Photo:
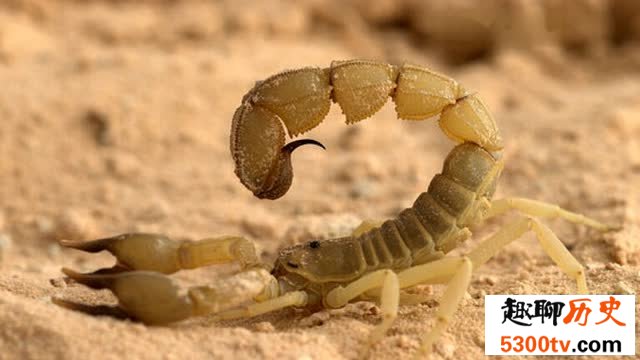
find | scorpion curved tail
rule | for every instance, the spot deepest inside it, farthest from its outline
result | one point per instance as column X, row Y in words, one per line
column 299, row 100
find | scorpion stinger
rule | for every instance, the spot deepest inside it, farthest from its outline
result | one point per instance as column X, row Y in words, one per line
column 290, row 147
column 279, row 179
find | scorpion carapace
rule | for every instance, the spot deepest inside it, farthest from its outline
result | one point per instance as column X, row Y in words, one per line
column 376, row 261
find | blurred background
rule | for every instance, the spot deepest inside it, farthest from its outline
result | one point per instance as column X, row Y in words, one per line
column 115, row 117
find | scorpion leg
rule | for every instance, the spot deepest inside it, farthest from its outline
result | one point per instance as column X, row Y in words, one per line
column 154, row 298
column 548, row 240
column 138, row 251
column 387, row 280
column 406, row 298
column 294, row 298
column 366, row 225
column 456, row 272
column 542, row 209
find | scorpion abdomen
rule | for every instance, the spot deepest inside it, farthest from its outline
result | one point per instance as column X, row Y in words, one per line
column 470, row 165
column 437, row 220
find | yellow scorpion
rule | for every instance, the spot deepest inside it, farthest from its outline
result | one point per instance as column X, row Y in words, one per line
column 375, row 261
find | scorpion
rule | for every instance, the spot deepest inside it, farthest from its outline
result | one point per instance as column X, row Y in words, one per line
column 378, row 261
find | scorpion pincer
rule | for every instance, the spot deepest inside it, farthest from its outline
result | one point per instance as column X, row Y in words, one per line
column 376, row 261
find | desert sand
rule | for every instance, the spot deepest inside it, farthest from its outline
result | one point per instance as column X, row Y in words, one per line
column 115, row 117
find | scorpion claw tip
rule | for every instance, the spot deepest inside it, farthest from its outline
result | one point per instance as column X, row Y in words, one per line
column 88, row 246
column 96, row 280
column 67, row 243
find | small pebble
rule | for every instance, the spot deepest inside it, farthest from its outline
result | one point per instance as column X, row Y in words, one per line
column 611, row 266
column 406, row 342
column 264, row 326
column 446, row 348
column 98, row 123
column 478, row 339
column 488, row 279
column 368, row 308
column 480, row 294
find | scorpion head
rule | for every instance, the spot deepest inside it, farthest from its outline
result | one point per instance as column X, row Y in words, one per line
column 294, row 260
column 287, row 270
column 320, row 261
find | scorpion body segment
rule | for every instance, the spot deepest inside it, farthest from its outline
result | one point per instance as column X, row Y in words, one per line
column 375, row 261
column 300, row 99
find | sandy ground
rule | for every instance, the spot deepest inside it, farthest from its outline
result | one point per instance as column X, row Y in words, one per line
column 115, row 117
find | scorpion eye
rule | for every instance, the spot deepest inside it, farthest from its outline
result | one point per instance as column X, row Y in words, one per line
column 289, row 263
column 314, row 244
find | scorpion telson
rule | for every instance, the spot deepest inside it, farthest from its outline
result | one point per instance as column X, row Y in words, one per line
column 379, row 260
